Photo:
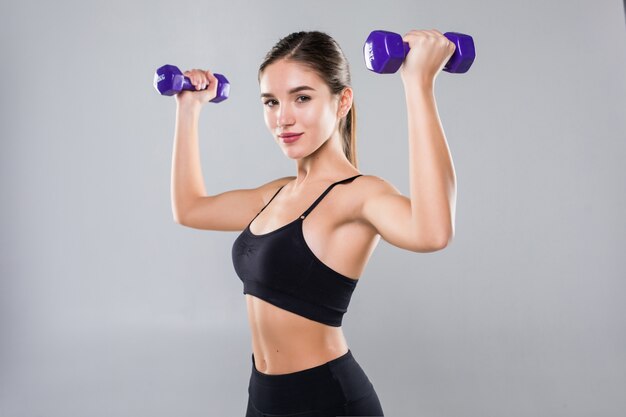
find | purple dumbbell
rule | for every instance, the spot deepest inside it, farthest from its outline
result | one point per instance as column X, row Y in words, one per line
column 169, row 80
column 385, row 51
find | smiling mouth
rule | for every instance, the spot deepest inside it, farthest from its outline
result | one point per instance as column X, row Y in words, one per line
column 290, row 137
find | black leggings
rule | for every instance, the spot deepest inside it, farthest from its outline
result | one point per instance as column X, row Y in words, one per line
column 336, row 388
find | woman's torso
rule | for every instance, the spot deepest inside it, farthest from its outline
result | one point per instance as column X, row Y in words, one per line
column 282, row 341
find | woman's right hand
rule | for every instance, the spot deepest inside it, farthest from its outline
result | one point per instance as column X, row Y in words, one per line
column 200, row 79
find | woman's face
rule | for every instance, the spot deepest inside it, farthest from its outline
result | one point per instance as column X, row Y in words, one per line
column 299, row 109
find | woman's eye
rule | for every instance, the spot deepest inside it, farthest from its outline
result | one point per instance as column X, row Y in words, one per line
column 303, row 98
column 270, row 103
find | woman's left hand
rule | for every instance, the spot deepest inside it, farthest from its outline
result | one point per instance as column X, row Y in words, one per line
column 430, row 51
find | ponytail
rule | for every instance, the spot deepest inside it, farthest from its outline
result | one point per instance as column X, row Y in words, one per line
column 348, row 135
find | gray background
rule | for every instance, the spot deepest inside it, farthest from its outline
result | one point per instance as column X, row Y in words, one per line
column 109, row 308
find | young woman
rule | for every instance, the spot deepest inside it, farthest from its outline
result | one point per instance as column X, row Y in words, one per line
column 300, row 257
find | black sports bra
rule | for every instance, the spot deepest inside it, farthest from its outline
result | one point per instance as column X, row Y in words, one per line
column 280, row 268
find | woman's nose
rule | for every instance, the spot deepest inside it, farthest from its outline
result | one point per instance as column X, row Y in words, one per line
column 285, row 117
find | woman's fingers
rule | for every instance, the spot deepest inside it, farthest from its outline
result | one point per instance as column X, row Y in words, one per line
column 199, row 78
column 210, row 79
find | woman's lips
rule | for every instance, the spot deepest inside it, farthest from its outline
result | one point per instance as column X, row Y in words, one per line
column 290, row 137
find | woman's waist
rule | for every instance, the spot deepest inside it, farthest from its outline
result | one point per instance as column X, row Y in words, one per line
column 280, row 350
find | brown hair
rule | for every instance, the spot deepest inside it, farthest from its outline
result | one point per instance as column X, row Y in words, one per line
column 321, row 53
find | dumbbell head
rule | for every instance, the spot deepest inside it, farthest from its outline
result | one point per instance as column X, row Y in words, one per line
column 169, row 80
column 464, row 54
column 223, row 88
column 385, row 51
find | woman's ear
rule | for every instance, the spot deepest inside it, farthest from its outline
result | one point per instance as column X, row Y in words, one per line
column 345, row 101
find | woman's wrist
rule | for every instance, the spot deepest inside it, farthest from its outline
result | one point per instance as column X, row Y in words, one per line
column 418, row 84
column 188, row 107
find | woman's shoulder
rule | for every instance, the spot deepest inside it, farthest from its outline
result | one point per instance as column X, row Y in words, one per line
column 372, row 192
column 369, row 185
column 367, row 189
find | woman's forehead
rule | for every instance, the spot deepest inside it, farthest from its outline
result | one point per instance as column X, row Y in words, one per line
column 283, row 76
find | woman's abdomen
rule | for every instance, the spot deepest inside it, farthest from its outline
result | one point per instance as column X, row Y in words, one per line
column 284, row 342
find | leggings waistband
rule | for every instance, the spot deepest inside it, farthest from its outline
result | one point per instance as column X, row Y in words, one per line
column 331, row 384
column 306, row 375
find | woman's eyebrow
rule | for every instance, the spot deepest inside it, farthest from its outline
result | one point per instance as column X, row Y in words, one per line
column 293, row 90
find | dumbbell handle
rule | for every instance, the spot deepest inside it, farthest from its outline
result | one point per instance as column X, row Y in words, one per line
column 450, row 37
column 187, row 84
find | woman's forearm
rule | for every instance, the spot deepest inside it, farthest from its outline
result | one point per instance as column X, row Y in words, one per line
column 431, row 171
column 187, row 181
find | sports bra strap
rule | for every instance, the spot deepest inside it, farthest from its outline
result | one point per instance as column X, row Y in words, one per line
column 306, row 213
column 275, row 194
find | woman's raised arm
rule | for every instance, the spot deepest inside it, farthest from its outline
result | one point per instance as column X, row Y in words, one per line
column 191, row 206
column 425, row 221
